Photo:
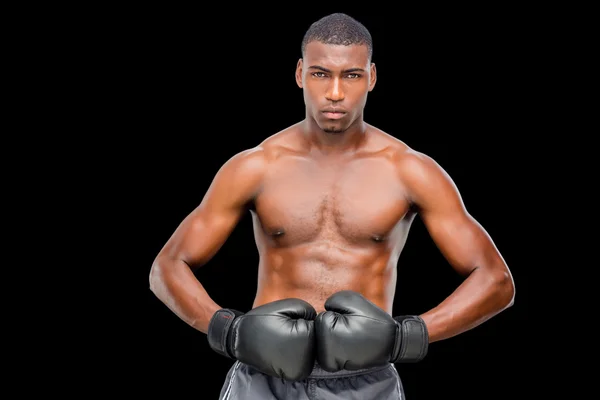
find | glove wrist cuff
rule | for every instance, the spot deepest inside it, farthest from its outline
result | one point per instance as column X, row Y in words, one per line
column 412, row 343
column 218, row 331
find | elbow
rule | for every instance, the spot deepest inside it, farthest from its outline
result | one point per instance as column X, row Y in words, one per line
column 155, row 276
column 505, row 290
column 152, row 278
column 163, row 271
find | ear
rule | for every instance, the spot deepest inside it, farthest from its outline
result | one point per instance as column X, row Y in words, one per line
column 373, row 77
column 299, row 73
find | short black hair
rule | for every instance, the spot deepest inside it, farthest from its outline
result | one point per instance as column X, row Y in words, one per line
column 338, row 29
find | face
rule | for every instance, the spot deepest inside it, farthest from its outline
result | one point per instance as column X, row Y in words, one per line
column 336, row 81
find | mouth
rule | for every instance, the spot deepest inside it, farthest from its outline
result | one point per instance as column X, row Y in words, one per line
column 333, row 114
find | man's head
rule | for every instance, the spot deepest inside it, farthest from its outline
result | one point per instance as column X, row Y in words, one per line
column 338, row 29
column 335, row 71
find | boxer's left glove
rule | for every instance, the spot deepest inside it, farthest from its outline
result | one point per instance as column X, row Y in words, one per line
column 354, row 333
column 277, row 338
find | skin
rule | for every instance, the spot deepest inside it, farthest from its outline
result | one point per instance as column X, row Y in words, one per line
column 332, row 202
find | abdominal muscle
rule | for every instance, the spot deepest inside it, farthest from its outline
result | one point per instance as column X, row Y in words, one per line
column 313, row 272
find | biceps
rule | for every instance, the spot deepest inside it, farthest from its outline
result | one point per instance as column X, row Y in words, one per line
column 461, row 239
column 201, row 234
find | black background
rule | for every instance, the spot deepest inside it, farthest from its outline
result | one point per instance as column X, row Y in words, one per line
column 185, row 95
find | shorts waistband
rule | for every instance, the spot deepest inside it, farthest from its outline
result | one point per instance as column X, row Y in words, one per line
column 319, row 373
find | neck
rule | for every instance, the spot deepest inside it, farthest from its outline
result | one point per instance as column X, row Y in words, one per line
column 334, row 142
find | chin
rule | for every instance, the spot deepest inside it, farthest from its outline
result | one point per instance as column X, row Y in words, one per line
column 328, row 127
column 334, row 130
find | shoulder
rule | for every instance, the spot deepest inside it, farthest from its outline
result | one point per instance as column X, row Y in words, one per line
column 248, row 167
column 256, row 159
column 418, row 172
column 414, row 165
column 404, row 158
column 248, row 162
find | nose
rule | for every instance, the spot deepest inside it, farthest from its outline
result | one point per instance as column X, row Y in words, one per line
column 334, row 91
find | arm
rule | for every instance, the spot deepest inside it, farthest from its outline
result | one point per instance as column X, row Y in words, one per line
column 488, row 288
column 200, row 235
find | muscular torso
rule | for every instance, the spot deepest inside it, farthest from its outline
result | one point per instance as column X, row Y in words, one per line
column 324, row 224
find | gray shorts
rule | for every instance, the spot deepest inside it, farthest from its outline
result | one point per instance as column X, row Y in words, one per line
column 245, row 383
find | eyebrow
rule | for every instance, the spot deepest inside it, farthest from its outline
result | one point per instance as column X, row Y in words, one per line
column 328, row 70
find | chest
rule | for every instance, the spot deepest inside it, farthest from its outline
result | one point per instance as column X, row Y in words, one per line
column 354, row 200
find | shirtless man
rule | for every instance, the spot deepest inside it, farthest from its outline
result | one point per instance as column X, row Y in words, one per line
column 332, row 200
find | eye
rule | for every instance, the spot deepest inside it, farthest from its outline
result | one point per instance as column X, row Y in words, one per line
column 318, row 74
column 353, row 76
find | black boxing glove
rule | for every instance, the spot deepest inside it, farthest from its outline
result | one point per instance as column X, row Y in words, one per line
column 354, row 333
column 277, row 338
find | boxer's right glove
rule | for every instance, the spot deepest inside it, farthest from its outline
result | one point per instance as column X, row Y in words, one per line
column 354, row 333
column 277, row 338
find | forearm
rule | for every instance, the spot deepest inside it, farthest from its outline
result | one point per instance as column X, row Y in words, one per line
column 481, row 296
column 175, row 284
